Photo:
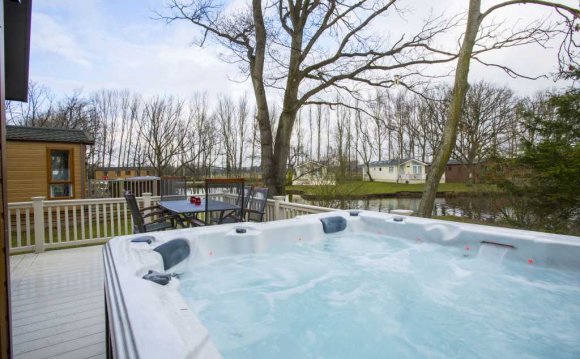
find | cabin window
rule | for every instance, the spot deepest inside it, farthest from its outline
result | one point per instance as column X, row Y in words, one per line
column 148, row 172
column 128, row 173
column 60, row 177
column 449, row 168
column 417, row 169
column 117, row 173
column 380, row 168
column 391, row 169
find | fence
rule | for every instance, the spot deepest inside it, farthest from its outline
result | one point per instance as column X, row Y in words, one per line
column 39, row 225
column 116, row 188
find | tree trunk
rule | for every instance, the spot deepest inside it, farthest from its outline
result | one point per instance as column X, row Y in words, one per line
column 284, row 135
column 262, row 113
column 454, row 113
column 290, row 106
column 282, row 151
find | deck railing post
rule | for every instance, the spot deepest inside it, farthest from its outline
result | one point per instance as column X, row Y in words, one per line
column 38, row 208
column 120, row 188
column 147, row 203
column 277, row 213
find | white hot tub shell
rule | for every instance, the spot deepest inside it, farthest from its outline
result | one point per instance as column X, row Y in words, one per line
column 149, row 320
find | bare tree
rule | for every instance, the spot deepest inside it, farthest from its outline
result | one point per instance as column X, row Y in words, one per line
column 493, row 37
column 161, row 132
column 35, row 111
column 309, row 47
column 243, row 111
column 225, row 118
column 483, row 127
column 365, row 148
column 132, row 145
column 106, row 104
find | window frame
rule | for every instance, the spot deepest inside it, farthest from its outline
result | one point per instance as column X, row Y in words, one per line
column 50, row 181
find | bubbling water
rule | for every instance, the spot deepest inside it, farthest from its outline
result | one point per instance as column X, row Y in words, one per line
column 370, row 296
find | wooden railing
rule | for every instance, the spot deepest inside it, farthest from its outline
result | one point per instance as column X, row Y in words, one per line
column 39, row 224
column 117, row 187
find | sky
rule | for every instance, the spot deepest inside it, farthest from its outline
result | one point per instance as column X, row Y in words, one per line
column 116, row 44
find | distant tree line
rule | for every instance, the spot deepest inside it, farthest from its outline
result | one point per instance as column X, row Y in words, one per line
column 173, row 135
column 196, row 136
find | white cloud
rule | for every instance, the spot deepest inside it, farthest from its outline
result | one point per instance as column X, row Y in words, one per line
column 144, row 56
column 104, row 45
column 52, row 37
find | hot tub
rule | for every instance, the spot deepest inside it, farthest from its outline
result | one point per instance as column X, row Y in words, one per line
column 345, row 284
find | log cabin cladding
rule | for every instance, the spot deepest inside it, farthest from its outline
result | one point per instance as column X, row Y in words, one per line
column 45, row 162
column 29, row 170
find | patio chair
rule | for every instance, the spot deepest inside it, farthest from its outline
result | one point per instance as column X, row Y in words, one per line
column 243, row 200
column 173, row 188
column 256, row 210
column 161, row 223
column 223, row 189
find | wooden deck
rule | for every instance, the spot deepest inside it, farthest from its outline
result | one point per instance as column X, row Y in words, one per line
column 57, row 304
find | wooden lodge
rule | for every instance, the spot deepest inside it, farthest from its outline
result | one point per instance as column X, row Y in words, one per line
column 112, row 173
column 47, row 162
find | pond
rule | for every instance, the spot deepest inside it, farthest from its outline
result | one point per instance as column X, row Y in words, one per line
column 487, row 208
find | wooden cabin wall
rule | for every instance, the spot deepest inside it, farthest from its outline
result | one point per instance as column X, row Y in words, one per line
column 28, row 169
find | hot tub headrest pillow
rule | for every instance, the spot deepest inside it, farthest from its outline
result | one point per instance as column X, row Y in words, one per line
column 173, row 252
column 333, row 224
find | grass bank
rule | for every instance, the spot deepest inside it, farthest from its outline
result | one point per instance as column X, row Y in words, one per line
column 364, row 189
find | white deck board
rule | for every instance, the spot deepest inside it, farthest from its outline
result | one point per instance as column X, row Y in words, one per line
column 57, row 304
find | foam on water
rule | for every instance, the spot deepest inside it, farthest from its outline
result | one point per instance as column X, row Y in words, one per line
column 492, row 252
column 379, row 297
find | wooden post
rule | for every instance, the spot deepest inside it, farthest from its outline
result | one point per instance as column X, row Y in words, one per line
column 147, row 203
column 38, row 208
column 120, row 188
column 277, row 200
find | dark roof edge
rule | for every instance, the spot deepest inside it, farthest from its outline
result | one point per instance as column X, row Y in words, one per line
column 92, row 142
column 89, row 140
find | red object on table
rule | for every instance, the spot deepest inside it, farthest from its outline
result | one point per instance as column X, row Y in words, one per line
column 192, row 199
column 197, row 201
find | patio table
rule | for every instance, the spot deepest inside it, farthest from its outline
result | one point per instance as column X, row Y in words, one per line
column 189, row 211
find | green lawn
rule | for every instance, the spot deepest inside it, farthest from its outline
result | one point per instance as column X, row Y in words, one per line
column 364, row 188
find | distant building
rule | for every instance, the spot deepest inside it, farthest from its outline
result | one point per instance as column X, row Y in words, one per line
column 406, row 170
column 111, row 173
column 47, row 162
column 461, row 172
column 457, row 171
